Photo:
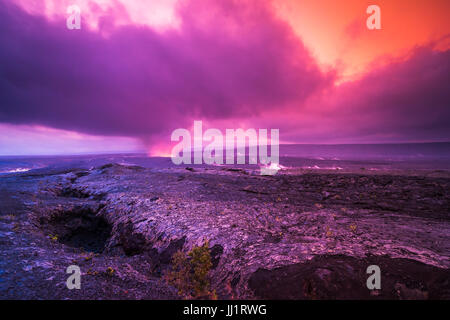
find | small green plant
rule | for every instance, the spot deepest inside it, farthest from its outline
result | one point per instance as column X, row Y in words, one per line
column 200, row 261
column 110, row 271
column 180, row 276
column 53, row 237
column 190, row 272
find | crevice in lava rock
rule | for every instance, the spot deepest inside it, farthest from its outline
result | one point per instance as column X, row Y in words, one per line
column 216, row 252
column 132, row 243
column 344, row 277
column 80, row 228
column 166, row 255
column 70, row 192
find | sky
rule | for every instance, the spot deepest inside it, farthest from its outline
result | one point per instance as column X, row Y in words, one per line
column 137, row 70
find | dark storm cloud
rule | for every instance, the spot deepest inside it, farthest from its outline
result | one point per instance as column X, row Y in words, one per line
column 226, row 59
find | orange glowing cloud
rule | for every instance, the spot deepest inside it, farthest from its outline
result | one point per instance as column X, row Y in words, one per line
column 336, row 32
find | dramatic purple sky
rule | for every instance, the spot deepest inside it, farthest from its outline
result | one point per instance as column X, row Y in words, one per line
column 127, row 86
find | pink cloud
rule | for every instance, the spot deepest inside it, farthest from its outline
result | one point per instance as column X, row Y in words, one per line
column 227, row 59
column 227, row 63
column 31, row 140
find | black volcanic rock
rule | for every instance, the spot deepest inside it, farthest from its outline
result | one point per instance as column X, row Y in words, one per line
column 297, row 236
column 340, row 277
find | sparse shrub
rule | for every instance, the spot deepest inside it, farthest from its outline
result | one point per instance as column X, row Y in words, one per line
column 110, row 271
column 179, row 276
column 190, row 272
column 200, row 261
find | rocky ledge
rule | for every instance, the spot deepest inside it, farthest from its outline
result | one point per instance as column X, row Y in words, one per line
column 306, row 235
